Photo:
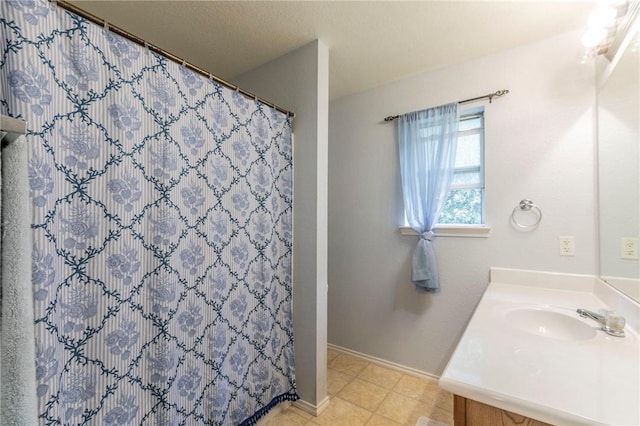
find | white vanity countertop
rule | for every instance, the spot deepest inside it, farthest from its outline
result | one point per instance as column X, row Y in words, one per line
column 594, row 379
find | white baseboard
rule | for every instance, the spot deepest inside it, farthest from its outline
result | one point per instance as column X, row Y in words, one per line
column 384, row 363
column 314, row 410
column 305, row 406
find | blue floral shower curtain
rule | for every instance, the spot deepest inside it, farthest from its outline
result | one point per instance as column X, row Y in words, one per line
column 162, row 233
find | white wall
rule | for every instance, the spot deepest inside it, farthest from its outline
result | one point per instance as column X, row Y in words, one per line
column 299, row 82
column 539, row 145
column 618, row 158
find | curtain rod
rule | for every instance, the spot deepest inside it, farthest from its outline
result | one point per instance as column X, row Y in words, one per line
column 490, row 96
column 123, row 33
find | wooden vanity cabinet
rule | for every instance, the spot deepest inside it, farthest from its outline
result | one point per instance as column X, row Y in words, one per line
column 467, row 412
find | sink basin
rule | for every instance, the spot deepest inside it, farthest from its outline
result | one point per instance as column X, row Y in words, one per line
column 550, row 324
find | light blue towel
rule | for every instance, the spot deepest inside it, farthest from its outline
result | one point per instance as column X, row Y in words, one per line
column 18, row 399
column 424, row 268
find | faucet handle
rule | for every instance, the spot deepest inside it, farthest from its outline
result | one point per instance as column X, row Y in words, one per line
column 613, row 323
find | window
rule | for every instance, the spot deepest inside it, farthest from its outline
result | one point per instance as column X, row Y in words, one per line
column 465, row 201
column 463, row 212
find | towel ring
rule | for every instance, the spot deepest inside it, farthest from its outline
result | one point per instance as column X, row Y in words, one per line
column 526, row 205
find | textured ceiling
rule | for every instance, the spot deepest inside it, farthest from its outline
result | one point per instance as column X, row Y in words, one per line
column 371, row 42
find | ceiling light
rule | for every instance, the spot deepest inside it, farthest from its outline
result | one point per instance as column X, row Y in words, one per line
column 602, row 17
column 593, row 37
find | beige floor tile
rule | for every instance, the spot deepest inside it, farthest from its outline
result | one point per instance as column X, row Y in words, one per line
column 429, row 411
column 299, row 412
column 403, row 409
column 342, row 413
column 331, row 354
column 380, row 376
column 440, row 415
column 378, row 420
column 287, row 418
column 399, row 408
column 348, row 364
column 336, row 381
column 444, row 400
column 363, row 394
column 421, row 389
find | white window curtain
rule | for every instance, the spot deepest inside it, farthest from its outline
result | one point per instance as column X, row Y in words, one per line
column 427, row 141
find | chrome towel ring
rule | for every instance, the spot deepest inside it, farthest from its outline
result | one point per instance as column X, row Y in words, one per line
column 526, row 205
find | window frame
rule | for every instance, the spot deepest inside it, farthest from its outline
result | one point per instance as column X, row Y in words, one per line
column 480, row 230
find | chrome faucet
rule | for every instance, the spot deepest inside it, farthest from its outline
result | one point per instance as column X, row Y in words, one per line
column 609, row 322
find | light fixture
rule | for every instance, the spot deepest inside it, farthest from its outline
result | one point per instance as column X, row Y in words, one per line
column 602, row 17
column 593, row 37
column 602, row 24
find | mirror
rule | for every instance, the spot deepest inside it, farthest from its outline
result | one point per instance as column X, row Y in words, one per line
column 618, row 108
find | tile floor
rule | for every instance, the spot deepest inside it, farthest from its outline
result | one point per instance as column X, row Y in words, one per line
column 362, row 393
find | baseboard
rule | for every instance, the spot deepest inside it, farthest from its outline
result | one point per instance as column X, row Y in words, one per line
column 314, row 410
column 384, row 363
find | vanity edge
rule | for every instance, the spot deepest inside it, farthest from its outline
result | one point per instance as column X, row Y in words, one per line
column 545, row 281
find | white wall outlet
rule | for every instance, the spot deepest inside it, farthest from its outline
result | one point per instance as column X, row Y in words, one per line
column 567, row 246
column 629, row 248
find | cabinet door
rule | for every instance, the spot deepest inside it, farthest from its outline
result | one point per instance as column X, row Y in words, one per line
column 467, row 412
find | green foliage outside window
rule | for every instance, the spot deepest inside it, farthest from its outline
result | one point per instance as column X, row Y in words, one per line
column 463, row 206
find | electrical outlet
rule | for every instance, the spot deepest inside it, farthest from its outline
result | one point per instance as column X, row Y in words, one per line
column 567, row 246
column 629, row 248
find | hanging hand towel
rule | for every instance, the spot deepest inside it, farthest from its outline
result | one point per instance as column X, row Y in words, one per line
column 18, row 400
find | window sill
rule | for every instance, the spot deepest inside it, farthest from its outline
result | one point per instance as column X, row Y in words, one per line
column 464, row 231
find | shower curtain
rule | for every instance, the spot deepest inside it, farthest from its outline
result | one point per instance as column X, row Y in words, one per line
column 161, row 230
